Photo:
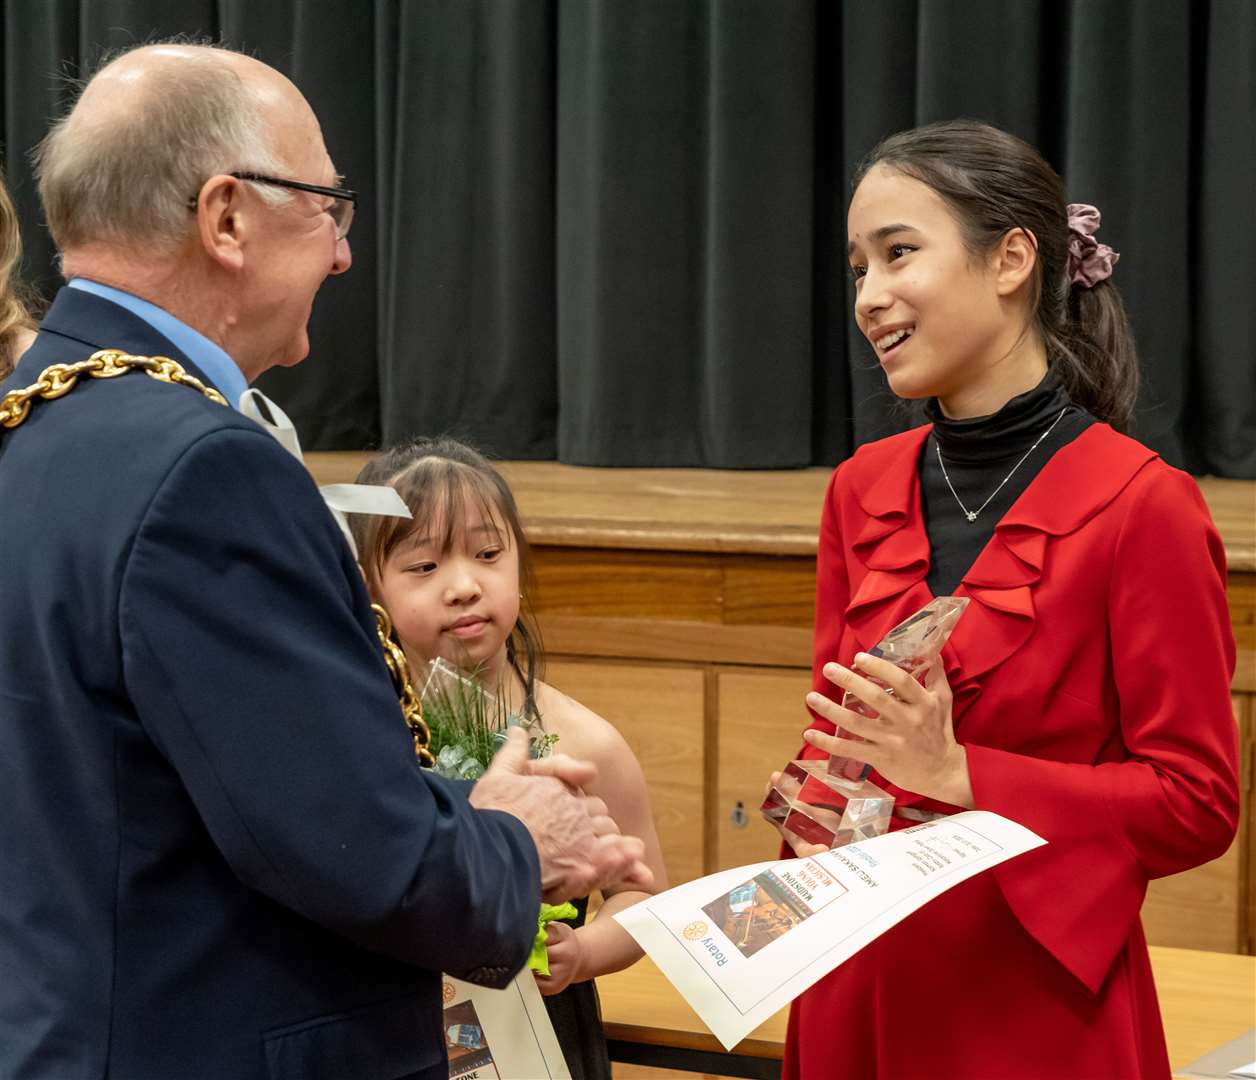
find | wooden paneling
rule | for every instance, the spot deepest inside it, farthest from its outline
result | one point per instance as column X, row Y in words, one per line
column 1246, row 705
column 673, row 639
column 738, row 590
column 336, row 466
column 1232, row 504
column 1206, row 908
column 659, row 712
column 626, row 584
column 769, row 592
column 761, row 721
column 1199, row 909
column 1241, row 596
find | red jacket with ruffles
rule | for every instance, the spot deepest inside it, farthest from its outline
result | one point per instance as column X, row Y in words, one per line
column 1091, row 678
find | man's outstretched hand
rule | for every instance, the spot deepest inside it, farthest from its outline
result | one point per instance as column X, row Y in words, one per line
column 580, row 846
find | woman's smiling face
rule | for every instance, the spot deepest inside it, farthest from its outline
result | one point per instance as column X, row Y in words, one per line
column 929, row 307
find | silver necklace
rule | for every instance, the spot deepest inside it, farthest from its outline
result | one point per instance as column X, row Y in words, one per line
column 972, row 514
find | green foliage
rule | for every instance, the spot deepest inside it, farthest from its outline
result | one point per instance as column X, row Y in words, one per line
column 468, row 724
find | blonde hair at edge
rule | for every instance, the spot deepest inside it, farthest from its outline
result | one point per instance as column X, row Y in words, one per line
column 13, row 314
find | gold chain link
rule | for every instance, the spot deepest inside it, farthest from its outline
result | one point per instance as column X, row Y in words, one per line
column 399, row 669
column 57, row 380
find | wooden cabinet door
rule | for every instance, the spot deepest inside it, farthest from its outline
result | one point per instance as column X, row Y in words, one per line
column 1203, row 908
column 659, row 711
column 761, row 718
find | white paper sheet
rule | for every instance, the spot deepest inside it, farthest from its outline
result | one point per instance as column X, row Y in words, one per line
column 502, row 1034
column 741, row 944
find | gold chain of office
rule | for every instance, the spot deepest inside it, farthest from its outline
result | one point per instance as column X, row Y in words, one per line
column 57, row 380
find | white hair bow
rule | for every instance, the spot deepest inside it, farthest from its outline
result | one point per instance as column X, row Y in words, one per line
column 341, row 499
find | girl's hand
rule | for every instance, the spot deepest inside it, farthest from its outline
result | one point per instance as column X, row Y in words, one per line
column 911, row 741
column 562, row 944
column 801, row 848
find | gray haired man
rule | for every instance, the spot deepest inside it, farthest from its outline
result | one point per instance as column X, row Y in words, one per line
column 220, row 858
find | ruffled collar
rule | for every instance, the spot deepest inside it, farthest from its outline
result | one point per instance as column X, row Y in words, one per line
column 1078, row 482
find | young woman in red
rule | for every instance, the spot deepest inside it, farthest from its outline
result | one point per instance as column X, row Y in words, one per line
column 1085, row 691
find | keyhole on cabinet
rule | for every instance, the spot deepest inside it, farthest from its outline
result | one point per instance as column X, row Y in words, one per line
column 738, row 816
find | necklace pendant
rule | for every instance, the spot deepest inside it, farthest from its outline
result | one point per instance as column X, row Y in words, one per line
column 971, row 515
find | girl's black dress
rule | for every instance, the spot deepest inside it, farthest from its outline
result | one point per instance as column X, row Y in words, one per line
column 577, row 1018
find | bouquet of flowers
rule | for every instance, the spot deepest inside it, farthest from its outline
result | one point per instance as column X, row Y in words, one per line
column 468, row 725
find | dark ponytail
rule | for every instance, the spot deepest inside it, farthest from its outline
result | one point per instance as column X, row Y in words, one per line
column 994, row 182
column 1095, row 354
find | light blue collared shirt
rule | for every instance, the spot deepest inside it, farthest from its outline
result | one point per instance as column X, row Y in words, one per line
column 218, row 367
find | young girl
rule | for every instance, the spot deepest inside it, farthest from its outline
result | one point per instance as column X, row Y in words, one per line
column 454, row 581
column 1084, row 692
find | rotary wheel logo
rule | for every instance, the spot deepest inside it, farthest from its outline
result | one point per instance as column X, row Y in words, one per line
column 447, row 992
column 694, row 931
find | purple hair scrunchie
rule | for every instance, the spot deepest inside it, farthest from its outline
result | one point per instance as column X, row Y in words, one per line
column 1089, row 262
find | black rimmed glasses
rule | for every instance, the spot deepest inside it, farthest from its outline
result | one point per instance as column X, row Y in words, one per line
column 341, row 209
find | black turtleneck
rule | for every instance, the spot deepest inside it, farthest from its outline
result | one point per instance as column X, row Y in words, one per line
column 978, row 454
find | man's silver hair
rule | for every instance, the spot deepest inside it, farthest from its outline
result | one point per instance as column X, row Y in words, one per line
column 130, row 177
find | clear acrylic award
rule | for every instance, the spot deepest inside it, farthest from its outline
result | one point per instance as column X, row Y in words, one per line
column 832, row 802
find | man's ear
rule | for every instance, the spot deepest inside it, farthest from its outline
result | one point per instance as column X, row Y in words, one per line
column 221, row 220
column 1014, row 260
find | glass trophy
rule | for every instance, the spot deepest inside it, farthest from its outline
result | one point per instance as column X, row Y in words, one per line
column 833, row 802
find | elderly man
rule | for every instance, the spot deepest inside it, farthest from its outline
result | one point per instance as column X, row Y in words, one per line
column 220, row 859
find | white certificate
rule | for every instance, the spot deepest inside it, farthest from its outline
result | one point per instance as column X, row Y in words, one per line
column 502, row 1034
column 741, row 944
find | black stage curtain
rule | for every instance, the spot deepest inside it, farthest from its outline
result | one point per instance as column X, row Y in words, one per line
column 612, row 231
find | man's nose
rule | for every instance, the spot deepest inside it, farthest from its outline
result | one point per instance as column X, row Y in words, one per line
column 344, row 257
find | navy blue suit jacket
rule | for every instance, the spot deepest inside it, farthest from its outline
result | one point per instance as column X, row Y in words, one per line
column 218, row 857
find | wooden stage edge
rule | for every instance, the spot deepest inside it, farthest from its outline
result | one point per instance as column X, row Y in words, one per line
column 767, row 512
column 1207, row 999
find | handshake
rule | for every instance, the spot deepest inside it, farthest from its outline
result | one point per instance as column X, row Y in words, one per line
column 579, row 845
